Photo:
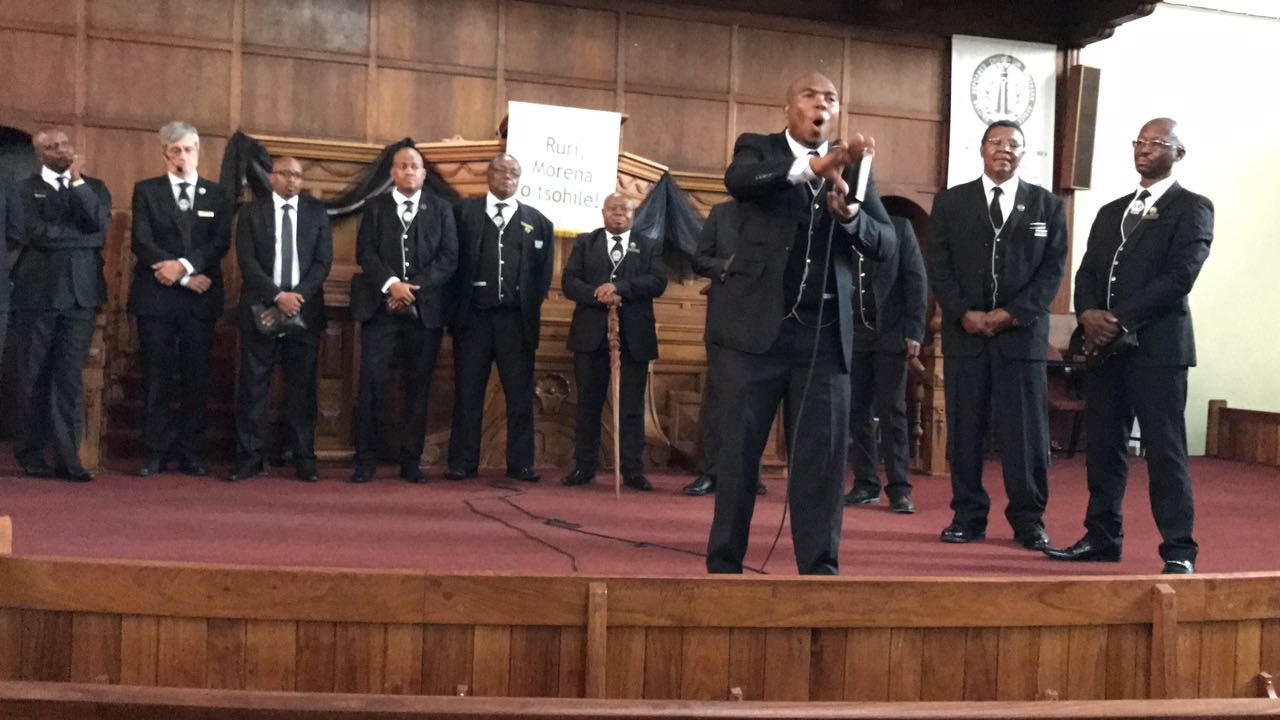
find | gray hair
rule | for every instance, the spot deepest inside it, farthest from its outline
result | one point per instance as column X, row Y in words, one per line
column 175, row 131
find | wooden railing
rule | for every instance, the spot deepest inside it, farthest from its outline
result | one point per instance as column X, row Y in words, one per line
column 1251, row 436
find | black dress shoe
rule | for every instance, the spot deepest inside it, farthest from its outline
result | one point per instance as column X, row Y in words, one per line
column 902, row 504
column 863, row 495
column 153, row 466
column 456, row 474
column 578, row 477
column 960, row 534
column 36, row 469
column 1086, row 551
column 1178, row 567
column 75, row 475
column 412, row 474
column 523, row 474
column 637, row 482
column 306, row 472
column 1032, row 539
column 362, row 475
column 246, row 471
column 194, row 468
column 761, row 489
column 701, row 485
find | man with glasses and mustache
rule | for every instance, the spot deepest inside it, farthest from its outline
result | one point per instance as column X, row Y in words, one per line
column 997, row 247
column 1144, row 253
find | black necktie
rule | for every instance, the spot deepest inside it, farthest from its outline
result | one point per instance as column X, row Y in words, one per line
column 616, row 253
column 184, row 200
column 286, row 248
column 62, row 183
column 1136, row 210
column 498, row 219
column 997, row 215
column 406, row 215
column 815, row 185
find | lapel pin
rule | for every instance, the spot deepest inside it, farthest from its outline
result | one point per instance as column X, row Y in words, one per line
column 199, row 191
column 527, row 227
column 1021, row 207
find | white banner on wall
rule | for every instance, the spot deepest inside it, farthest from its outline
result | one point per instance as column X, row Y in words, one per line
column 1001, row 80
column 568, row 160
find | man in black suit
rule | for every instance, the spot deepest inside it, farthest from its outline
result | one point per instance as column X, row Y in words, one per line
column 610, row 267
column 407, row 247
column 716, row 244
column 787, row 334
column 888, row 327
column 1144, row 253
column 505, row 262
column 181, row 231
column 10, row 239
column 284, row 249
column 57, row 288
column 997, row 246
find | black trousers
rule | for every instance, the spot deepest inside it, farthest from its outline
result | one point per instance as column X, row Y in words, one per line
column 381, row 338
column 878, row 388
column 1115, row 392
column 52, row 348
column 297, row 355
column 711, row 419
column 184, row 342
column 818, row 420
column 491, row 337
column 591, row 372
column 1015, row 393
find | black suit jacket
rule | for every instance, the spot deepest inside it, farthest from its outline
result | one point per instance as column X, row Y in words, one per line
column 716, row 245
column 1154, row 274
column 434, row 239
column 771, row 218
column 60, row 261
column 641, row 278
column 1034, row 238
column 256, row 256
column 537, row 246
column 901, row 292
column 161, row 233
column 10, row 241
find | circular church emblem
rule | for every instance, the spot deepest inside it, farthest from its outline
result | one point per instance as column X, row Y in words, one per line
column 1002, row 89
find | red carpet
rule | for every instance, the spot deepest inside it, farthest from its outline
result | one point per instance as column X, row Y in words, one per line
column 492, row 525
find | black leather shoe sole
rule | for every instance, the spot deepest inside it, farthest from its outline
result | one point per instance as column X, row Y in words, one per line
column 902, row 505
column 859, row 497
column 575, row 478
column 699, row 487
column 1032, row 540
column 959, row 536
column 452, row 474
column 1085, row 551
column 524, row 475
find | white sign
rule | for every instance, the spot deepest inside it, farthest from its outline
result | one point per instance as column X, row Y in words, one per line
column 568, row 160
column 1001, row 80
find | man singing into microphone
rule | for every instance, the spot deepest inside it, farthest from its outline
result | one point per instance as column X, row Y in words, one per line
column 787, row 334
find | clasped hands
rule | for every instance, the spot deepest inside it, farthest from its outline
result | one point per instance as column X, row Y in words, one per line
column 400, row 295
column 1100, row 328
column 169, row 272
column 607, row 294
column 830, row 167
column 986, row 324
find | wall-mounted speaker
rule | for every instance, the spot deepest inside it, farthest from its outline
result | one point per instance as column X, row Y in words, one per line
column 1081, row 121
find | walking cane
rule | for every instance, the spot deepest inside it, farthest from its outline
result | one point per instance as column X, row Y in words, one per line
column 615, row 388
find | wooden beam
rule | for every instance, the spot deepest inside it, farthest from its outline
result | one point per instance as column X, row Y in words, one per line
column 1164, row 641
column 597, row 640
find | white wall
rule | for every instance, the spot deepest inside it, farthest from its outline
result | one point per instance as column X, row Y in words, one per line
column 1216, row 74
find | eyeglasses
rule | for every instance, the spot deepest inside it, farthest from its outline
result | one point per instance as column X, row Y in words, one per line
column 1153, row 144
column 1010, row 145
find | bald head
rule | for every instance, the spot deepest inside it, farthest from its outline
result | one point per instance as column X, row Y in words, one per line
column 54, row 149
column 1156, row 149
column 812, row 109
column 619, row 212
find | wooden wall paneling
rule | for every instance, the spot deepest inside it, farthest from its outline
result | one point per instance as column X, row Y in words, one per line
column 657, row 54
column 534, row 661
column 905, row 662
column 1121, row 662
column 1248, row 657
column 827, row 671
column 491, row 664
column 899, row 77
column 981, row 663
column 430, row 106
column 360, row 651
column 225, row 656
column 10, row 637
column 453, row 32
column 564, row 42
column 589, row 97
column 270, row 655
column 866, row 664
column 758, row 118
column 1052, row 661
column 1268, row 651
column 45, row 646
column 906, row 150
column 315, row 657
column 402, row 669
column 307, row 98
column 704, row 663
column 747, row 661
column 181, row 650
column 148, row 85
column 786, row 676
column 625, row 671
column 139, row 644
column 41, row 72
column 1086, row 664
column 663, row 653
column 1217, row 653
column 95, row 648
column 1189, row 643
column 206, row 20
column 328, row 25
column 942, row 664
column 571, row 680
column 1018, row 663
column 51, row 15
column 697, row 145
column 771, row 59
column 446, row 658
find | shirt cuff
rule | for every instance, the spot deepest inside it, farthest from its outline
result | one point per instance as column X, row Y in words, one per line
column 184, row 280
column 800, row 171
column 190, row 268
column 853, row 225
column 387, row 285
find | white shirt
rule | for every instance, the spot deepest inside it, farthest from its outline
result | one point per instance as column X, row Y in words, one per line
column 51, row 177
column 491, row 208
column 276, row 268
column 400, row 199
column 608, row 246
column 1156, row 190
column 800, row 171
column 192, row 181
column 1008, row 191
